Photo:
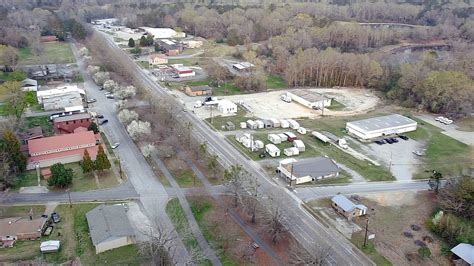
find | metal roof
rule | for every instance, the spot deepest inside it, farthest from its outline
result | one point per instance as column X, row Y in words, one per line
column 465, row 252
column 346, row 204
column 108, row 221
column 382, row 122
column 310, row 96
column 72, row 117
column 315, row 167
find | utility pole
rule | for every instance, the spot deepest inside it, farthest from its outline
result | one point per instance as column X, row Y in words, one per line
column 366, row 231
column 291, row 176
column 69, row 196
column 390, row 164
column 120, row 167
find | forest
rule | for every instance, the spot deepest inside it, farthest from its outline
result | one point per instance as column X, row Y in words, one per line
column 308, row 44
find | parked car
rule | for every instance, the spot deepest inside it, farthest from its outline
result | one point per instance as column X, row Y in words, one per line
column 55, row 217
column 438, row 118
column 394, row 140
column 380, row 142
column 110, row 96
column 115, row 145
column 100, row 116
column 91, row 100
column 403, row 137
column 389, row 141
column 104, row 121
column 419, row 152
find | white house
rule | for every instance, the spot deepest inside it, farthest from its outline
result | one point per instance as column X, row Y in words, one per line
column 251, row 124
column 50, row 246
column 381, row 126
column 299, row 144
column 284, row 123
column 309, row 98
column 276, row 122
column 272, row 150
column 293, row 124
column 58, row 91
column 302, row 130
column 274, row 138
column 260, row 123
column 227, row 107
column 292, row 151
column 283, row 137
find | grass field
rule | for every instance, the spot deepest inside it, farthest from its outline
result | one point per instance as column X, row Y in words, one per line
column 144, row 64
column 12, row 76
column 226, row 88
column 358, row 240
column 218, row 121
column 42, row 121
column 192, row 61
column 54, row 53
column 336, row 106
column 186, row 178
column 177, row 217
column 275, row 82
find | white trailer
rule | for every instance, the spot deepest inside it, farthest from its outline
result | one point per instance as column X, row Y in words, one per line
column 272, row 150
column 260, row 124
column 243, row 125
column 246, row 142
column 301, row 130
column 320, row 136
column 292, row 151
column 299, row 144
column 274, row 138
column 258, row 144
column 251, row 124
column 284, row 123
column 293, row 124
column 276, row 122
column 283, row 137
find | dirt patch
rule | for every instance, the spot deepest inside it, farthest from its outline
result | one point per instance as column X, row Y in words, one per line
column 392, row 223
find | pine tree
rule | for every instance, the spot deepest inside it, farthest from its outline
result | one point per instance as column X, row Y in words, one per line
column 87, row 163
column 94, row 127
column 11, row 146
column 101, row 161
column 60, row 176
column 131, row 43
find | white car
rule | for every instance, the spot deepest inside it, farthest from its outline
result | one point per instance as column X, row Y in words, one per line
column 197, row 104
column 439, row 118
column 115, row 145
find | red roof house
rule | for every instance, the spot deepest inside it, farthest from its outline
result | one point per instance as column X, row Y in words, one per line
column 68, row 124
column 65, row 148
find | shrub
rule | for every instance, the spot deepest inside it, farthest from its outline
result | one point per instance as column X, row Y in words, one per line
column 424, row 252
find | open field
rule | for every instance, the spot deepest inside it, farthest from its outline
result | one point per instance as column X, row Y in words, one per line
column 54, row 53
column 275, row 82
column 465, row 124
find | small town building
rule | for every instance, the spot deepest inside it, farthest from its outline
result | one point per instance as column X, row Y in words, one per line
column 260, row 124
column 68, row 124
column 170, row 47
column 267, row 123
column 381, row 126
column 243, row 125
column 274, row 138
column 229, row 125
column 293, row 124
column 320, row 136
column 50, row 246
column 183, row 71
column 64, row 149
column 29, row 134
column 307, row 170
column 310, row 99
column 291, row 136
column 284, row 123
column 192, row 44
column 463, row 254
column 48, row 38
column 272, row 150
column 105, row 21
column 275, row 122
column 292, row 151
column 226, row 107
column 301, row 130
column 109, row 227
column 29, row 85
column 163, row 33
column 299, row 144
column 348, row 208
column 63, row 101
column 283, row 137
column 258, row 144
column 251, row 124
column 198, row 90
column 243, row 66
column 157, row 59
column 62, row 91
column 19, row 228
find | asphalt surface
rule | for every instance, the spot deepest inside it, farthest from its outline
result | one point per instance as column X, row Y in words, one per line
column 310, row 233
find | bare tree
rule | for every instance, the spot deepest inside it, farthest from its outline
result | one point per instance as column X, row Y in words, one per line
column 275, row 225
column 300, row 256
column 235, row 181
column 160, row 244
column 251, row 201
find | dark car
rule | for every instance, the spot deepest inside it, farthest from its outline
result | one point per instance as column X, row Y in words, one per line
column 394, row 140
column 100, row 116
column 389, row 141
column 403, row 137
column 104, row 121
column 380, row 142
column 55, row 217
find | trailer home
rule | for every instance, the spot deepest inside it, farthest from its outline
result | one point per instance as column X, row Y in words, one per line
column 284, row 123
column 274, row 138
column 293, row 124
column 291, row 136
column 299, row 144
column 272, row 150
column 292, row 151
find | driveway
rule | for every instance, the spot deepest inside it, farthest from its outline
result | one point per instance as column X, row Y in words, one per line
column 449, row 130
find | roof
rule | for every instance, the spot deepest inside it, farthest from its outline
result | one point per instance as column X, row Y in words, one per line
column 309, row 95
column 168, row 42
column 226, row 103
column 346, row 204
column 108, row 221
column 72, row 117
column 201, row 88
column 161, row 33
column 272, row 147
column 18, row 225
column 60, row 141
column 48, row 38
column 315, row 167
column 32, row 133
column 29, row 82
column 465, row 252
column 382, row 122
column 298, row 143
column 153, row 56
column 50, row 245
column 63, row 154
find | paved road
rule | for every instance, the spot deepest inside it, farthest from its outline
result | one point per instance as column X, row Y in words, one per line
column 449, row 130
column 310, row 233
column 152, row 194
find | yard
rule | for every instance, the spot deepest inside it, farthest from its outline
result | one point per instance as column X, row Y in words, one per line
column 54, row 53
column 42, row 121
column 219, row 121
column 275, row 82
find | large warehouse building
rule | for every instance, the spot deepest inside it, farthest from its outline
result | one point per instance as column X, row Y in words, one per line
column 309, row 98
column 381, row 126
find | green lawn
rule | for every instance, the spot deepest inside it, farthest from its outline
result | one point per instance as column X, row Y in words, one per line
column 106, row 142
column 12, row 76
column 358, row 240
column 42, row 121
column 336, row 106
column 177, row 217
column 275, row 82
column 218, row 121
column 54, row 53
column 187, row 178
column 26, row 179
column 192, row 61
column 226, row 88
column 143, row 64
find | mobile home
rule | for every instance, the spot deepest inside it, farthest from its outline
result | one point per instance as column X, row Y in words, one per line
column 272, row 150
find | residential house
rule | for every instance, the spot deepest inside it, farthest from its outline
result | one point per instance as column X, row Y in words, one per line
column 29, row 134
column 170, row 47
column 68, row 124
column 183, row 71
column 65, row 148
column 109, row 227
column 157, row 59
column 198, row 90
column 227, row 107
column 348, row 208
column 308, row 170
column 19, row 228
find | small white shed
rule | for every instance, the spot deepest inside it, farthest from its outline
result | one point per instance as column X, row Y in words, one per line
column 272, row 150
column 302, row 130
column 276, row 122
column 243, row 125
column 299, row 144
column 260, row 124
column 50, row 246
column 227, row 107
column 283, row 137
column 284, row 123
column 292, row 151
column 258, row 144
column 251, row 124
column 274, row 138
column 293, row 124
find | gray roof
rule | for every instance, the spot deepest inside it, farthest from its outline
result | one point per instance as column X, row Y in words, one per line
column 29, row 82
column 108, row 221
column 201, row 88
column 346, row 204
column 382, row 122
column 315, row 167
column 310, row 96
column 465, row 252
column 72, row 117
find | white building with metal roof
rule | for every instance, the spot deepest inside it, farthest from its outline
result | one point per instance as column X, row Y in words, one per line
column 381, row 126
column 307, row 170
column 348, row 208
